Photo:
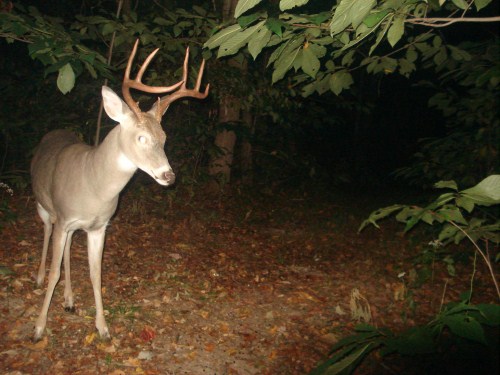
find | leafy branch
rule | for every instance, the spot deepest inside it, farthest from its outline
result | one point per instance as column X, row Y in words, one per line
column 316, row 50
column 448, row 210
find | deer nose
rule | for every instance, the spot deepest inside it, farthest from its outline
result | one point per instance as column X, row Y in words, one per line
column 169, row 177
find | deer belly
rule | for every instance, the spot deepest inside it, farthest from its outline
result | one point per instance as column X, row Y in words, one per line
column 87, row 224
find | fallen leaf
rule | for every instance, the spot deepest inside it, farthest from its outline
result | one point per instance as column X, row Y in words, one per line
column 40, row 345
column 273, row 354
column 145, row 355
column 148, row 333
column 89, row 339
column 106, row 348
column 132, row 362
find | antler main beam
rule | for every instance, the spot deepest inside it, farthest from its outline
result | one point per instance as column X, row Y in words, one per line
column 137, row 82
column 184, row 92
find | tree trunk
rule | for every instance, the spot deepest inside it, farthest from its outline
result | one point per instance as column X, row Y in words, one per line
column 246, row 149
column 229, row 113
column 220, row 165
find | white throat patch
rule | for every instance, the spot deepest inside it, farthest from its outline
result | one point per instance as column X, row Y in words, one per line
column 125, row 164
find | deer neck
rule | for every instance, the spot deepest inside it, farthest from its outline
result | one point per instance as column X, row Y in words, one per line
column 111, row 169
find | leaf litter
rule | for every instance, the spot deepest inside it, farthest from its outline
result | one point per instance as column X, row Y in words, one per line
column 206, row 288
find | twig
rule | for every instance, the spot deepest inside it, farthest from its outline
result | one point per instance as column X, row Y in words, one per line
column 110, row 54
column 486, row 259
column 442, row 296
column 443, row 22
column 473, row 274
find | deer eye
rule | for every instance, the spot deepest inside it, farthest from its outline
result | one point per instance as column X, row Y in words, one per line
column 142, row 139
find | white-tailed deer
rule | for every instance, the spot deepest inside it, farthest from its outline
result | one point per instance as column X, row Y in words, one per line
column 77, row 186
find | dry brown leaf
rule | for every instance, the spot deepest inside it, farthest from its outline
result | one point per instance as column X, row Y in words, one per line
column 106, row 348
column 40, row 345
column 148, row 333
column 210, row 347
column 89, row 339
column 132, row 362
column 273, row 354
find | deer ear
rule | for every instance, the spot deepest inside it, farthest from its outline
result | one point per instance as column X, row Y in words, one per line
column 114, row 106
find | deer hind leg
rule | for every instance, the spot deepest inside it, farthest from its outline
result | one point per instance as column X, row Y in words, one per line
column 47, row 231
column 58, row 243
column 68, row 292
column 95, row 248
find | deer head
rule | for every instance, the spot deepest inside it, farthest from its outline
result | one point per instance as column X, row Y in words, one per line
column 142, row 139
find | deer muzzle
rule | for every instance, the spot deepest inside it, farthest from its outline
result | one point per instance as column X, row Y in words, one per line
column 169, row 177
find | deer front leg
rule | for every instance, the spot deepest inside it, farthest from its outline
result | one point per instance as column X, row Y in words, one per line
column 95, row 248
column 47, row 231
column 68, row 292
column 58, row 243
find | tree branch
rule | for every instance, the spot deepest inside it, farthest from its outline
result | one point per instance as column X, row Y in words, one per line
column 443, row 22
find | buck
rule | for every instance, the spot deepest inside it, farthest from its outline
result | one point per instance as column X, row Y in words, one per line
column 76, row 186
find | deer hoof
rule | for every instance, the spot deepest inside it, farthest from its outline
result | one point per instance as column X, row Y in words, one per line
column 105, row 336
column 38, row 335
column 70, row 309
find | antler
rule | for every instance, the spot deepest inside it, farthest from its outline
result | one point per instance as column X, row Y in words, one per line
column 183, row 92
column 138, row 85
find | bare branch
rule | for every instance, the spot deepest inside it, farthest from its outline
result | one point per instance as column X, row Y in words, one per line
column 443, row 22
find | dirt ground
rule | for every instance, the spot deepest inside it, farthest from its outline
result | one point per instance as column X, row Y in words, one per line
column 231, row 285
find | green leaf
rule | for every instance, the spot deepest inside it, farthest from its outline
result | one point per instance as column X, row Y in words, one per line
column 276, row 25
column 245, row 21
column 374, row 18
column 380, row 214
column 108, row 28
column 396, row 30
column 441, row 56
column 66, row 79
column 485, row 193
column 480, row 4
column 459, row 54
column 348, row 58
column 465, row 326
column 90, row 69
column 411, row 55
column 350, row 12
column 286, row 59
column 490, row 313
column 201, row 11
column 237, row 41
column 223, row 35
column 319, row 18
column 448, row 232
column 380, row 34
column 465, row 203
column 259, row 40
column 310, row 62
column 340, row 80
column 406, row 67
column 446, row 185
column 346, row 362
column 243, row 6
column 452, row 213
column 462, row 4
column 416, row 340
column 289, row 4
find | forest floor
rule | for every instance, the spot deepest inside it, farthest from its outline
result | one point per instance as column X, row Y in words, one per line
column 238, row 284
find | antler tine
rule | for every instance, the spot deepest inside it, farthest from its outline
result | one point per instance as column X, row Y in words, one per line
column 184, row 91
column 126, row 83
column 138, row 85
